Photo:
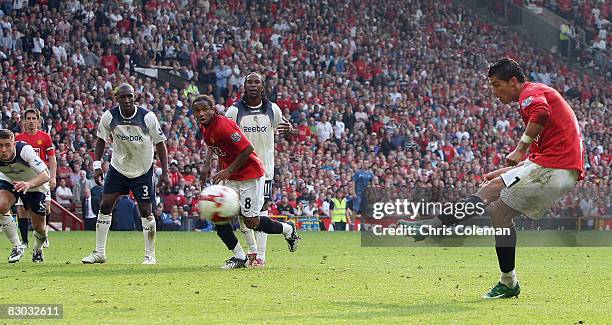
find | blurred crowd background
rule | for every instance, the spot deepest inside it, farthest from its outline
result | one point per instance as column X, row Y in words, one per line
column 384, row 95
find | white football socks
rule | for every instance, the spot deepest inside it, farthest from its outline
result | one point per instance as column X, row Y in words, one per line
column 249, row 235
column 262, row 239
column 102, row 226
column 9, row 227
column 149, row 231
column 39, row 238
column 287, row 230
column 509, row 279
column 239, row 252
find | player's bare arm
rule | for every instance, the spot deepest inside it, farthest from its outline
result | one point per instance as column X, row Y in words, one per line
column 236, row 164
column 205, row 171
column 52, row 171
column 39, row 180
column 99, row 151
column 162, row 153
column 531, row 132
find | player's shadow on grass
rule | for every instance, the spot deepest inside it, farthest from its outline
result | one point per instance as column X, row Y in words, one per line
column 371, row 310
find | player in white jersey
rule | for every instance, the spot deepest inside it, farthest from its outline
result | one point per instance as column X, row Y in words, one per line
column 22, row 175
column 259, row 119
column 134, row 131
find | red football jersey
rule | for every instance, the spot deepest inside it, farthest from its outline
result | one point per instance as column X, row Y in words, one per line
column 41, row 142
column 226, row 140
column 559, row 145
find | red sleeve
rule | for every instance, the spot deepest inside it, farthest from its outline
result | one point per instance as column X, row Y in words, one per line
column 536, row 109
column 539, row 114
column 233, row 136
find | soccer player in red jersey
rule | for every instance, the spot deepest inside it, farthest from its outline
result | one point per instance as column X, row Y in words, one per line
column 242, row 171
column 546, row 164
column 43, row 146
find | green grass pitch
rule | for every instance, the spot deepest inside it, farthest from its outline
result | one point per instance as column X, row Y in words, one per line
column 330, row 279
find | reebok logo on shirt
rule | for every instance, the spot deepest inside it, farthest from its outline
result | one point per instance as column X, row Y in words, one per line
column 131, row 138
column 254, row 129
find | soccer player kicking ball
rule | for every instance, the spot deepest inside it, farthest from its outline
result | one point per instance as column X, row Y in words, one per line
column 529, row 187
column 243, row 172
column 259, row 118
column 135, row 131
column 22, row 175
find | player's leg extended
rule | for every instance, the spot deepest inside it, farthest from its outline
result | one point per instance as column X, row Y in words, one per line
column 487, row 193
column 251, row 202
column 9, row 228
column 23, row 223
column 144, row 192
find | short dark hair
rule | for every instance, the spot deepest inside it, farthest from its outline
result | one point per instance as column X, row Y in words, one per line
column 6, row 134
column 201, row 98
column 31, row 110
column 506, row 68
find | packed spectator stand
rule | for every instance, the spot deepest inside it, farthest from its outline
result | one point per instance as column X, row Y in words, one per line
column 395, row 87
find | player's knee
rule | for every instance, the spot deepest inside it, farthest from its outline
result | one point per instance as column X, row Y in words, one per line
column 106, row 207
column 5, row 207
column 251, row 223
column 489, row 191
column 39, row 227
column 38, row 223
column 145, row 213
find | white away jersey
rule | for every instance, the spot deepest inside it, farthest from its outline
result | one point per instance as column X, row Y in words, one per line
column 25, row 166
column 259, row 124
column 133, row 138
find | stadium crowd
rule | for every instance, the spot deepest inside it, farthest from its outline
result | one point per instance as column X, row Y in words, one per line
column 392, row 89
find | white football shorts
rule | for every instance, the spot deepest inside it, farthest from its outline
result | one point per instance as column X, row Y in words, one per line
column 251, row 194
column 531, row 189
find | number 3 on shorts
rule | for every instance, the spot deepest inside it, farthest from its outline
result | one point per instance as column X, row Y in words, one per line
column 145, row 191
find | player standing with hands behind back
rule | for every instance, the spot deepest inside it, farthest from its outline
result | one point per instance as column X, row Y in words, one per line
column 135, row 131
column 243, row 172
